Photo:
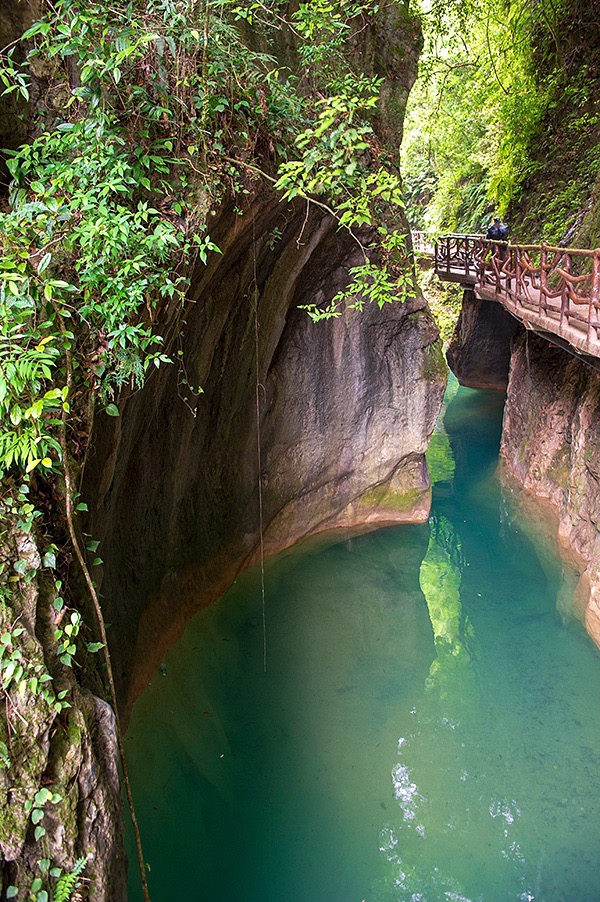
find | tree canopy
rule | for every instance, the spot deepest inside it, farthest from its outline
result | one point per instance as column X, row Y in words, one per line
column 504, row 116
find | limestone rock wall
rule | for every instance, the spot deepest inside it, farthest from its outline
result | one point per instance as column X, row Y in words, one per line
column 71, row 754
column 479, row 352
column 551, row 447
column 345, row 411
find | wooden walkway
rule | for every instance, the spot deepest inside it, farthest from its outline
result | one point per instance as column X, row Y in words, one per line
column 554, row 291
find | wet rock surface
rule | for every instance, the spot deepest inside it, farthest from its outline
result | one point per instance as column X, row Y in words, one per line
column 551, row 446
column 330, row 420
column 479, row 352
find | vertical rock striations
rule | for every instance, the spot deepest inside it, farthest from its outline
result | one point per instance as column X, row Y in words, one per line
column 345, row 411
column 479, row 353
column 551, row 446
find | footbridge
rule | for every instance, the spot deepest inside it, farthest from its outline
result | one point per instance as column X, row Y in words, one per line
column 555, row 291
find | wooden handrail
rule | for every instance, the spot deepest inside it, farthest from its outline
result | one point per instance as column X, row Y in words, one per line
column 528, row 279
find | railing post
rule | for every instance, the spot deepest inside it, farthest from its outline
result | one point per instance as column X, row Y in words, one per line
column 595, row 295
column 564, row 294
column 518, row 277
column 543, row 278
column 481, row 266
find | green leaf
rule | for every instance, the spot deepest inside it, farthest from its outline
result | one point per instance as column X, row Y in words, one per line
column 38, row 833
column 44, row 262
column 112, row 410
column 12, row 892
column 42, row 796
column 49, row 560
column 93, row 647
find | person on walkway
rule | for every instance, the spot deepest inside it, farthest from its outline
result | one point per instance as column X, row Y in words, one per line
column 498, row 231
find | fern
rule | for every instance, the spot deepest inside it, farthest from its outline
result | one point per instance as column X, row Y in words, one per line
column 68, row 882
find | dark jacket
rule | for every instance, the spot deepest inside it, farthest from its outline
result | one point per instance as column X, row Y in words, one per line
column 498, row 232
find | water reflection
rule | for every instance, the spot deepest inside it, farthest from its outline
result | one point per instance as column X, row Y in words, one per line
column 431, row 816
column 440, row 577
column 427, row 729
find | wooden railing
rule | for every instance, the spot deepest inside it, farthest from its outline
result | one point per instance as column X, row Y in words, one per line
column 554, row 285
column 455, row 254
column 423, row 243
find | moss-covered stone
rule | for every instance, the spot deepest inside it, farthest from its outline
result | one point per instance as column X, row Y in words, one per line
column 435, row 366
column 69, row 752
column 383, row 497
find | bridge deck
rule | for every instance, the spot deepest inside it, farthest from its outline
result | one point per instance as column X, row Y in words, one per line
column 554, row 291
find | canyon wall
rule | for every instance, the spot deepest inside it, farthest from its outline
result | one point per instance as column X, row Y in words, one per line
column 551, row 447
column 479, row 352
column 300, row 429
column 70, row 754
column 306, row 427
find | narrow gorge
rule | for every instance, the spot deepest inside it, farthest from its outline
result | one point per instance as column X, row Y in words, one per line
column 228, row 431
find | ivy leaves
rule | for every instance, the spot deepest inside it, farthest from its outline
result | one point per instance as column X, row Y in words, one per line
column 78, row 246
column 341, row 161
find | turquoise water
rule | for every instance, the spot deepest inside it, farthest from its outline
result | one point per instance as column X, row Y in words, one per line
column 428, row 727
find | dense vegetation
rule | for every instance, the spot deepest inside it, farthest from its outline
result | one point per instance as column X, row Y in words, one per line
column 505, row 116
column 146, row 116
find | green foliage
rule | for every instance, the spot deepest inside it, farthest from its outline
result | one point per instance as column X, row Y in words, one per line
column 65, row 636
column 325, row 26
column 155, row 109
column 108, row 206
column 12, row 76
column 68, row 882
column 483, row 118
column 445, row 302
column 35, row 808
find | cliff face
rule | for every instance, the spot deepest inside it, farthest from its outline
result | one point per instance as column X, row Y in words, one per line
column 301, row 429
column 70, row 754
column 310, row 426
column 479, row 352
column 551, row 446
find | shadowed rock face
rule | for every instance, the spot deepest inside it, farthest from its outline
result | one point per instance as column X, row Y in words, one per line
column 479, row 353
column 302, row 428
column 74, row 753
column 345, row 411
column 551, row 446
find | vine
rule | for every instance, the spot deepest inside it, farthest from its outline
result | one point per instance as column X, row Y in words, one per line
column 152, row 112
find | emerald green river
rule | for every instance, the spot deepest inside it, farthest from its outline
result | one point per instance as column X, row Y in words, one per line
column 427, row 728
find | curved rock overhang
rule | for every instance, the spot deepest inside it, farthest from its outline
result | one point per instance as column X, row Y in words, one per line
column 306, row 427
